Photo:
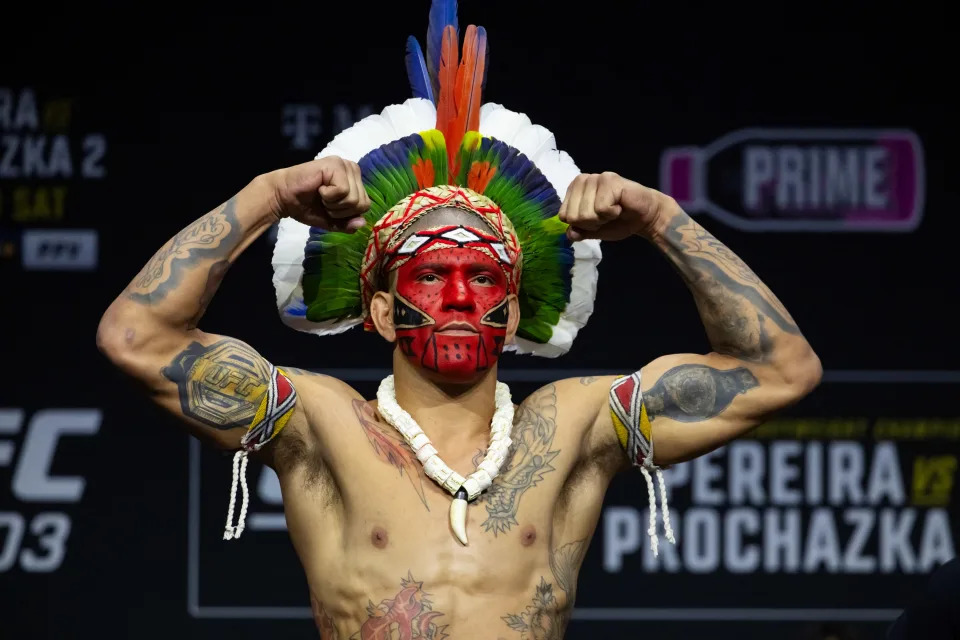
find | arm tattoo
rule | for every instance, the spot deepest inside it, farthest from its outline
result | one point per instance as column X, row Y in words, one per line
column 214, row 235
column 696, row 392
column 220, row 385
column 391, row 448
column 548, row 615
column 408, row 614
column 588, row 380
column 732, row 300
column 534, row 427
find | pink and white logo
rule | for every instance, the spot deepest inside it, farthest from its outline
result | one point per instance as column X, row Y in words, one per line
column 802, row 179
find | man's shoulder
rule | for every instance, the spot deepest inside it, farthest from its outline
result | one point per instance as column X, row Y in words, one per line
column 322, row 402
column 572, row 403
column 321, row 396
column 571, row 391
column 315, row 379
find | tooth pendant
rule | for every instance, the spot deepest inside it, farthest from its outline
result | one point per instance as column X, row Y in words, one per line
column 458, row 515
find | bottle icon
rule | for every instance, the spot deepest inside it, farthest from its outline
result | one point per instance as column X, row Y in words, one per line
column 817, row 180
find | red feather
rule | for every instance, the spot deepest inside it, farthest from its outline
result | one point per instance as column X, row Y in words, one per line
column 467, row 94
column 458, row 105
column 446, row 103
column 476, row 85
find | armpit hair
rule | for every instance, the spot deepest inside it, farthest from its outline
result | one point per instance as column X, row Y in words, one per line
column 291, row 451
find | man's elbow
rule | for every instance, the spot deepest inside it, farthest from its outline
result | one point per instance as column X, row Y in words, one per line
column 110, row 340
column 801, row 372
column 117, row 337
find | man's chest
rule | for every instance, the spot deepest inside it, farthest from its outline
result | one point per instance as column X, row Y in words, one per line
column 374, row 461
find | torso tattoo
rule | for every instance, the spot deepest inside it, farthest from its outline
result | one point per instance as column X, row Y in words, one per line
column 391, row 448
column 534, row 429
column 547, row 616
column 407, row 615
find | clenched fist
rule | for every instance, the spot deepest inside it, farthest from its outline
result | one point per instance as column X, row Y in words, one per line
column 608, row 207
column 325, row 193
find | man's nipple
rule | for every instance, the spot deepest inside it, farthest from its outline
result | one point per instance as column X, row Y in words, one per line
column 528, row 535
column 379, row 537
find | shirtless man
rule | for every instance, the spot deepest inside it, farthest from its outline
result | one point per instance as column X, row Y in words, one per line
column 366, row 534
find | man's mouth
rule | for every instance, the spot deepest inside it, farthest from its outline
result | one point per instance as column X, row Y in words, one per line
column 458, row 328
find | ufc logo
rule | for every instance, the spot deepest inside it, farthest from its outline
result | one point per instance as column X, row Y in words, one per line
column 60, row 249
column 32, row 481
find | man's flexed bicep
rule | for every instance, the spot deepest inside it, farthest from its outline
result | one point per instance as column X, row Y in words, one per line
column 693, row 404
column 683, row 405
column 215, row 384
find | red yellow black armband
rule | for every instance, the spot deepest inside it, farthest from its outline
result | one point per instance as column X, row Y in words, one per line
column 635, row 434
column 273, row 414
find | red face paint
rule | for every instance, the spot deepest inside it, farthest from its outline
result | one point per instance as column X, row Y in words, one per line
column 450, row 311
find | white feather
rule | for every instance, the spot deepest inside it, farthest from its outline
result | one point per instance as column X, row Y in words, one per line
column 402, row 119
column 500, row 123
column 559, row 169
column 535, row 141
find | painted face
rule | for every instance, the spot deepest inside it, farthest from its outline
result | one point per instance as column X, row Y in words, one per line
column 450, row 311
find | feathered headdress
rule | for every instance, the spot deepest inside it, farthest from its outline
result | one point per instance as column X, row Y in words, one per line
column 442, row 148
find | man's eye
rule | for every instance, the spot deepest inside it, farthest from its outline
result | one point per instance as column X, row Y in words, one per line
column 483, row 280
column 428, row 277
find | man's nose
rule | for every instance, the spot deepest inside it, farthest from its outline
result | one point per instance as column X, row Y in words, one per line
column 456, row 295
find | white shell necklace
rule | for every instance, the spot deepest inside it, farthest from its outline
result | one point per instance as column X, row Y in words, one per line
column 463, row 489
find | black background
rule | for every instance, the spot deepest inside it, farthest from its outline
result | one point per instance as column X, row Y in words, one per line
column 190, row 99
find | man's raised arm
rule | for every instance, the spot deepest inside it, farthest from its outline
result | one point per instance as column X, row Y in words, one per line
column 217, row 384
column 689, row 404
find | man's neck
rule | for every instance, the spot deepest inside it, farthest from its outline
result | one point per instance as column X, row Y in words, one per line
column 447, row 413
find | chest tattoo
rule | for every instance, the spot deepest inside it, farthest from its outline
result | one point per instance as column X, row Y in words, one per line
column 535, row 426
column 391, row 449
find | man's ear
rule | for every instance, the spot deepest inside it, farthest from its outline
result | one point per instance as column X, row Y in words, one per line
column 381, row 312
column 513, row 317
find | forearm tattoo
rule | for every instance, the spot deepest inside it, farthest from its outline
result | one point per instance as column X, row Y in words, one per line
column 733, row 302
column 547, row 616
column 215, row 235
column 221, row 385
column 696, row 392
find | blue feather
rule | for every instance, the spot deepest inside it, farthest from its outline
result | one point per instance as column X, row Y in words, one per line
column 482, row 33
column 417, row 73
column 442, row 13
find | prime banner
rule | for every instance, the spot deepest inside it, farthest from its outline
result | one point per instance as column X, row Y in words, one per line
column 836, row 509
